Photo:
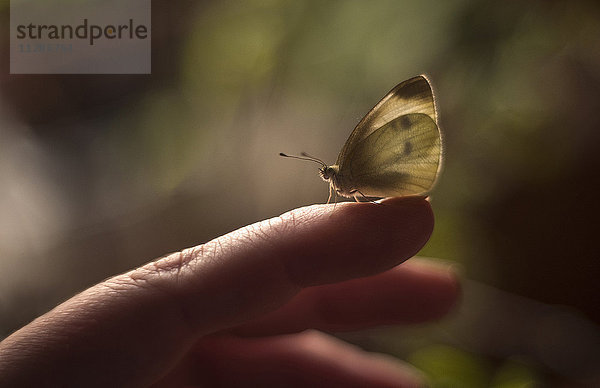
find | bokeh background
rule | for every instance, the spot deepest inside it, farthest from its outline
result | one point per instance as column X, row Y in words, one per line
column 99, row 174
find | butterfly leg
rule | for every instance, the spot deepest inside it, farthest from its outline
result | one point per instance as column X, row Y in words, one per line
column 329, row 199
column 355, row 196
column 368, row 200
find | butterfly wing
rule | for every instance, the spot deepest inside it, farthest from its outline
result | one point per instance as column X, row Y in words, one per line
column 402, row 157
column 411, row 96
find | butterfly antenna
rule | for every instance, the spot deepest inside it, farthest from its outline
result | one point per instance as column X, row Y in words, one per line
column 313, row 158
column 304, row 156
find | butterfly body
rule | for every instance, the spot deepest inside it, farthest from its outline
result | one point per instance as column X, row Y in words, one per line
column 395, row 150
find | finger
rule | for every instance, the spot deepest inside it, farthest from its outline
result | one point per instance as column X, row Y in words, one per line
column 414, row 292
column 308, row 359
column 135, row 326
column 259, row 268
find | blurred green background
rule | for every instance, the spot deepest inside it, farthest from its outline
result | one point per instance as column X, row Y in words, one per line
column 102, row 173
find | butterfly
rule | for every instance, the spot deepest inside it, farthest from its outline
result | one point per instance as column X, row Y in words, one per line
column 395, row 150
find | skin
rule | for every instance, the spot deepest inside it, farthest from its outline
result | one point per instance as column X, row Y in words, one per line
column 235, row 311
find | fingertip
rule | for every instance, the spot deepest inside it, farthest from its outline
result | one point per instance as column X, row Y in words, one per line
column 419, row 210
column 444, row 284
column 453, row 289
column 363, row 239
column 396, row 223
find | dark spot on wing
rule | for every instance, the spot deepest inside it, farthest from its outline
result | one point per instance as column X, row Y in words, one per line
column 404, row 122
column 408, row 148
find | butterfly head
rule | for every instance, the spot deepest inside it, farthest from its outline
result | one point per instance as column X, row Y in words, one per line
column 328, row 172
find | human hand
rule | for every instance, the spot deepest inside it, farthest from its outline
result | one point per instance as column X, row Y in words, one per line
column 233, row 312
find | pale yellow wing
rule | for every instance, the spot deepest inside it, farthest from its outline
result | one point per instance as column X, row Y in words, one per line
column 411, row 96
column 403, row 157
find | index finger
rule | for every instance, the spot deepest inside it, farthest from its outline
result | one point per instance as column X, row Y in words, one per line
column 260, row 267
column 132, row 328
